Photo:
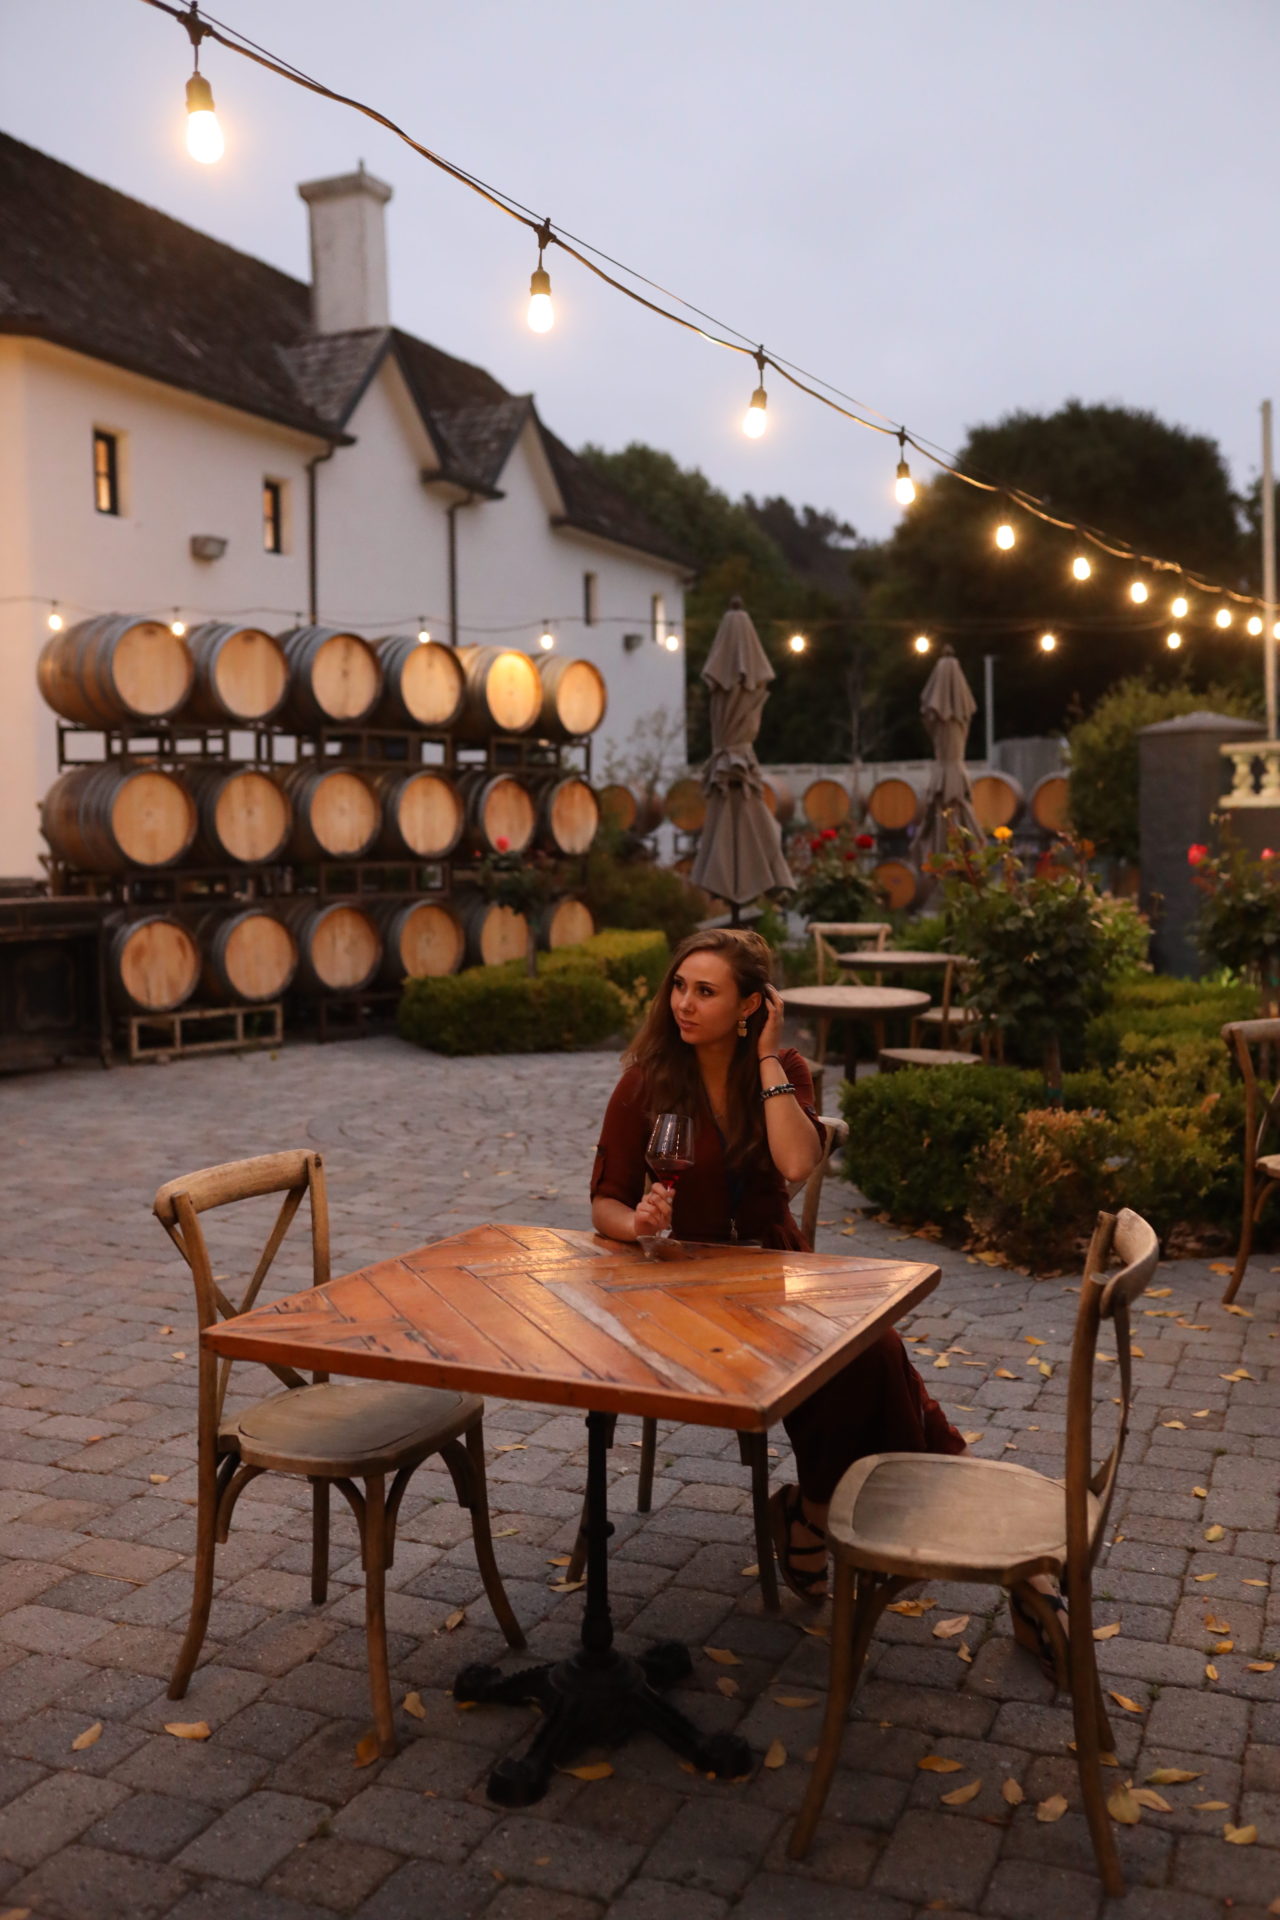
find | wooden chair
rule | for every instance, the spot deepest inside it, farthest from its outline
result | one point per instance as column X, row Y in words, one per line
column 753, row 1448
column 898, row 1518
column 872, row 936
column 1255, row 1044
column 329, row 1434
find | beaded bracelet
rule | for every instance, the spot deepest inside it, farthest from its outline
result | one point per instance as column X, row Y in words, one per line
column 767, row 1093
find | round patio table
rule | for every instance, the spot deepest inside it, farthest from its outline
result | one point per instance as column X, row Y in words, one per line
column 908, row 958
column 853, row 1003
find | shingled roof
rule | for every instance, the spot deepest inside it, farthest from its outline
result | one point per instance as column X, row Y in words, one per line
column 87, row 268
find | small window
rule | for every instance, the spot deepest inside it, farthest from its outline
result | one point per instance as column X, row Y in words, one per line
column 658, row 618
column 106, row 471
column 590, row 598
column 273, row 516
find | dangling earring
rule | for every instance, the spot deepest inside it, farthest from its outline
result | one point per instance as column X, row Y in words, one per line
column 742, row 1029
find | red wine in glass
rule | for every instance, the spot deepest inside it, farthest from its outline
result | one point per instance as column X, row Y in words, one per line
column 670, row 1151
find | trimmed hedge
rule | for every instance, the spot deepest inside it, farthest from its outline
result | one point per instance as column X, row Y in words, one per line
column 1164, row 1012
column 582, row 997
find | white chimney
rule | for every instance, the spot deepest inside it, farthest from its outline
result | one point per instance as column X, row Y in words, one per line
column 348, row 252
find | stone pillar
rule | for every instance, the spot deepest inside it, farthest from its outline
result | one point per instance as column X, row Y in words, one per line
column 1182, row 779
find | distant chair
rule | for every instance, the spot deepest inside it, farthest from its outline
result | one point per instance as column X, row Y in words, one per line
column 899, row 1518
column 872, row 936
column 1256, row 1045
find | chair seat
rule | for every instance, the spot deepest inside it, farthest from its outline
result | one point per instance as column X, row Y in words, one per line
column 957, row 1017
column 950, row 1517
column 348, row 1428
column 1269, row 1166
column 891, row 1057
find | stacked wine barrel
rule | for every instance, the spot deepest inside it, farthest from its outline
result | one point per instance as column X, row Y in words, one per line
column 307, row 810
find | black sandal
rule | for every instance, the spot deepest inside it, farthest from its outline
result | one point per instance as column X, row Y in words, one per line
column 1030, row 1634
column 786, row 1510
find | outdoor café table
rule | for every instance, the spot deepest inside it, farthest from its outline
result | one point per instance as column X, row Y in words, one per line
column 723, row 1336
column 907, row 958
column 857, row 1003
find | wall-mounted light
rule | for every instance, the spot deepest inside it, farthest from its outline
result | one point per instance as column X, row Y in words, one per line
column 207, row 546
column 631, row 642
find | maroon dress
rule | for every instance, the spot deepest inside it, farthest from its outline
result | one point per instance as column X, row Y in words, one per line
column 878, row 1402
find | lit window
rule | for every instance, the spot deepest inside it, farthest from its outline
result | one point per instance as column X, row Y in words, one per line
column 106, row 471
column 657, row 618
column 590, row 599
column 273, row 516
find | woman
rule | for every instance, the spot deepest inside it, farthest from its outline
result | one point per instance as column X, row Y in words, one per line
column 710, row 1047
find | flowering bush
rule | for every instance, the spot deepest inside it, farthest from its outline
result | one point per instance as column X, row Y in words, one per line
column 1239, row 922
column 525, row 882
column 833, row 884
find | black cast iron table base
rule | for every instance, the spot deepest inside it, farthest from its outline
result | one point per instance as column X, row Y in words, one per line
column 599, row 1696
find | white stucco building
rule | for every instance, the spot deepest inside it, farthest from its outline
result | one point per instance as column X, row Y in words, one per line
column 186, row 432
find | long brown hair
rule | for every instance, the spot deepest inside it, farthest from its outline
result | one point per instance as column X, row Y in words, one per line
column 669, row 1064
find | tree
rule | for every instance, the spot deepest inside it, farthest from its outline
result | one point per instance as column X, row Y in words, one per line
column 1161, row 488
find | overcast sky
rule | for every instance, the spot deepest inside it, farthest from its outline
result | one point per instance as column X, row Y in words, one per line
column 951, row 208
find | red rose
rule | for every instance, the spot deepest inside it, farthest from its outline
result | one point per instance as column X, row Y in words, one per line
column 865, row 840
column 815, row 845
column 1268, row 853
column 502, row 843
column 851, row 855
column 1197, row 854
column 829, row 833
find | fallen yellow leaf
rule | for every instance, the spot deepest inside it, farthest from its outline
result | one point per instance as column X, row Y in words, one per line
column 187, row 1729
column 749, row 1573
column 776, row 1756
column 1215, row 1532
column 947, row 1629
column 1202, row 1577
column 413, row 1704
column 1123, row 1700
column 1201, row 1493
column 591, row 1770
column 1146, row 1797
column 565, row 1586
column 1215, row 1625
column 1242, row 1311
column 1181, row 1425
column 1003, row 1373
column 1210, row 1672
column 722, row 1656
column 1107, row 1633
column 1032, row 1340
column 513, row 1446
column 1253, row 1583
column 1053, row 1808
column 505, row 1533
column 961, row 1796
column 1045, row 1369
column 455, row 1619
column 1012, row 1793
column 970, row 1438
column 937, row 1763
column 942, row 1361
column 727, row 1685
column 89, row 1738
column 1224, row 1646
column 1239, row 1836
column 1201, row 1413
column 964, row 1653
column 1212, row 1806
column 559, row 1560
column 1122, row 1806
column 912, row 1609
column 795, row 1700
column 1262, row 1666
column 1172, row 1777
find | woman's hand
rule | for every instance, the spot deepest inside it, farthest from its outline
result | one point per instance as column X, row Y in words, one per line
column 654, row 1212
column 771, row 1032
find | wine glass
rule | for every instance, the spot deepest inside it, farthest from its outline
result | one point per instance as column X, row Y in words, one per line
column 670, row 1152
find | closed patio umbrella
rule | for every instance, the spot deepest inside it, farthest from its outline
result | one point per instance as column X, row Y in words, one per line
column 947, row 706
column 740, row 852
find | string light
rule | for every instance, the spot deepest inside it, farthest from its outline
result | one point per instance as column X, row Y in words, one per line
column 1173, row 641
column 922, row 643
column 204, row 135
column 797, row 643
column 546, row 639
column 542, row 314
column 1181, row 607
column 1081, row 567
column 1253, row 625
column 1139, row 592
column 1048, row 643
column 672, row 643
column 1005, row 536
column 754, row 421
column 56, row 623
column 423, row 634
column 1222, row 618
column 177, row 626
column 904, row 487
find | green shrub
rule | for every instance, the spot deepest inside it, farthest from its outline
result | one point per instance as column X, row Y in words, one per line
column 912, row 1134
column 1038, row 1183
column 628, row 958
column 637, row 894
column 501, row 1010
column 1133, row 1017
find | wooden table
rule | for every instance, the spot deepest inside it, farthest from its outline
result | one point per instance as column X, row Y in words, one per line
column 856, row 1003
column 909, row 959
column 725, row 1336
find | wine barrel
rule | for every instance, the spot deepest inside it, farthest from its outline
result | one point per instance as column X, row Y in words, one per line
column 249, row 954
column 563, row 923
column 779, row 798
column 422, row 813
column 899, row 882
column 493, row 933
column 500, row 813
column 686, row 804
column 420, row 938
column 422, row 683
column 573, row 698
column 618, row 806
column 826, row 803
column 503, row 692
column 115, row 670
column 115, row 815
column 997, row 800
column 241, row 675
column 893, row 804
column 335, row 678
column 568, row 816
column 336, row 815
column 1051, row 803
column 153, row 964
column 244, row 815
column 339, row 945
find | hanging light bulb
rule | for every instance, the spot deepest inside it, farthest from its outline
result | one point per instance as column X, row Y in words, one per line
column 1048, row 643
column 1181, row 607
column 423, row 634
column 1139, row 592
column 204, row 136
column 1081, row 567
column 904, row 487
column 1173, row 641
column 546, row 639
column 797, row 643
column 922, row 643
column 177, row 626
column 1253, row 625
column 754, row 421
column 1005, row 536
column 542, row 314
column 672, row 643
column 56, row 623
column 1222, row 618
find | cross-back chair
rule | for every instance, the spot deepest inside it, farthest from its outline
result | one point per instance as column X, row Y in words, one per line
column 1256, row 1046
column 872, row 936
column 899, row 1518
column 332, row 1434
column 753, row 1448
